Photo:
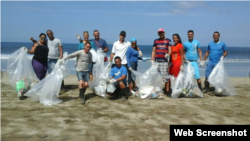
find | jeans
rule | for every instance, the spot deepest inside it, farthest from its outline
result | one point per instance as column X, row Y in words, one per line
column 134, row 67
column 50, row 63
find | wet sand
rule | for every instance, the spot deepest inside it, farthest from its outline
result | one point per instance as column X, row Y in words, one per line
column 101, row 119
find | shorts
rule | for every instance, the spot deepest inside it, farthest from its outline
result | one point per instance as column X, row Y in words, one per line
column 116, row 84
column 83, row 75
column 163, row 69
column 194, row 64
column 209, row 69
column 175, row 68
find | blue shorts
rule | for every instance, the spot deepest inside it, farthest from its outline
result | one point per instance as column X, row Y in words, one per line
column 83, row 75
column 196, row 69
column 209, row 69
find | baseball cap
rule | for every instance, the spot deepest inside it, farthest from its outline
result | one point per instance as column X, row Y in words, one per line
column 161, row 30
column 123, row 33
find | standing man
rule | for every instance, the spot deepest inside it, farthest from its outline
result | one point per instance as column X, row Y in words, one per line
column 119, row 49
column 192, row 48
column 216, row 50
column 119, row 77
column 160, row 53
column 55, row 50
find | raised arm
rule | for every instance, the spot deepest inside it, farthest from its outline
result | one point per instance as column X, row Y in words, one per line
column 33, row 48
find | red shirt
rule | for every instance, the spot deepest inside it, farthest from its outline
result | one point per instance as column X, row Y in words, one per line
column 176, row 54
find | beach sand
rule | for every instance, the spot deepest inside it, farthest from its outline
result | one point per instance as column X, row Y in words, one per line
column 102, row 119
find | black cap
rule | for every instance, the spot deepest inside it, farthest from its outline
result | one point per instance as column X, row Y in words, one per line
column 123, row 33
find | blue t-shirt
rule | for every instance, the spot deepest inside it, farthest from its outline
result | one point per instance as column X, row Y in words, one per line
column 132, row 56
column 216, row 50
column 118, row 72
column 191, row 49
column 102, row 43
column 81, row 45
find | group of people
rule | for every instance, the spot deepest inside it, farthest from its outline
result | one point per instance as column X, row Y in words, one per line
column 124, row 58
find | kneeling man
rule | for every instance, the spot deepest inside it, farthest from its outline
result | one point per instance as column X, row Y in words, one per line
column 119, row 75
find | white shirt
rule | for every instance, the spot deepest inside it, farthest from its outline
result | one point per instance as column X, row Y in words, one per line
column 53, row 46
column 120, row 49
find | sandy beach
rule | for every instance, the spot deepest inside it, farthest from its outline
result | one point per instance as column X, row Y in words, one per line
column 103, row 119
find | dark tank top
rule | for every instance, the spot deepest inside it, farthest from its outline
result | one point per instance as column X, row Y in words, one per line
column 41, row 53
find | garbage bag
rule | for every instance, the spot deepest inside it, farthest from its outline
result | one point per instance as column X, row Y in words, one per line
column 219, row 78
column 94, row 55
column 185, row 85
column 148, row 82
column 99, row 83
column 48, row 89
column 110, row 88
column 156, row 93
column 20, row 71
column 99, row 64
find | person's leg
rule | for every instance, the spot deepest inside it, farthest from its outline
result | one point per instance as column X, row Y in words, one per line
column 197, row 74
column 81, row 85
column 122, row 86
column 134, row 67
column 207, row 73
column 130, row 80
column 49, row 65
column 45, row 68
column 38, row 68
column 90, row 71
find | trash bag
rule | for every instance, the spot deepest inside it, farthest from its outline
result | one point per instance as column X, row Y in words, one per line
column 99, row 64
column 99, row 83
column 156, row 93
column 48, row 89
column 185, row 85
column 219, row 78
column 20, row 71
column 148, row 82
column 110, row 88
column 94, row 55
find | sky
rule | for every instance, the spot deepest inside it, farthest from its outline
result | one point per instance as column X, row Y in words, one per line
column 23, row 19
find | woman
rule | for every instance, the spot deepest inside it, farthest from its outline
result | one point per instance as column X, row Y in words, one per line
column 81, row 46
column 132, row 55
column 176, row 56
column 82, row 67
column 39, row 61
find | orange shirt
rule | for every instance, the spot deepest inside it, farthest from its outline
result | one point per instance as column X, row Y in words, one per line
column 176, row 54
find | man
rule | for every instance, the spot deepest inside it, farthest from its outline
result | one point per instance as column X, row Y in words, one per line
column 55, row 50
column 216, row 50
column 160, row 53
column 98, row 43
column 82, row 68
column 192, row 48
column 119, row 75
column 119, row 49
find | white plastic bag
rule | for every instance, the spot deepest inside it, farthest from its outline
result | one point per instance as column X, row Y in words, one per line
column 219, row 79
column 99, row 83
column 110, row 88
column 99, row 64
column 185, row 85
column 48, row 89
column 20, row 71
column 94, row 55
column 148, row 81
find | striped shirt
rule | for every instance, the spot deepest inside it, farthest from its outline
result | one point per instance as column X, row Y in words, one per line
column 161, row 48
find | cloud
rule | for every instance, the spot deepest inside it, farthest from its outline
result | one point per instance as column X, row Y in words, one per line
column 189, row 5
column 177, row 11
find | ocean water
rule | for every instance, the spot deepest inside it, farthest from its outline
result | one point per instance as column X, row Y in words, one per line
column 237, row 61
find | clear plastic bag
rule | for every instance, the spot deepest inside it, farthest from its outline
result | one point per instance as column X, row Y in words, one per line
column 94, row 55
column 110, row 88
column 185, row 85
column 20, row 71
column 219, row 78
column 99, row 83
column 48, row 89
column 99, row 64
column 148, row 81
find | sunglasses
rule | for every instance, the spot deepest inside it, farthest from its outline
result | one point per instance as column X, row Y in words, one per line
column 43, row 38
column 133, row 43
